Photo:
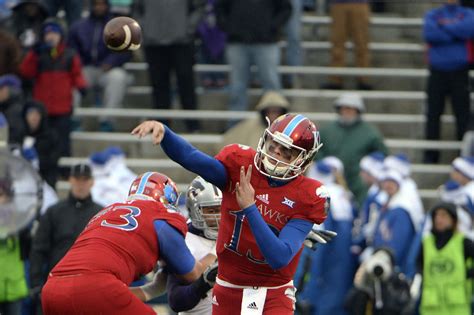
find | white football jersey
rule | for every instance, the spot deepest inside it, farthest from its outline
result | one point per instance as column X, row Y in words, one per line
column 200, row 247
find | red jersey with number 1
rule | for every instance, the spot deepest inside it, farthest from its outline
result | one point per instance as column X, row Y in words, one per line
column 121, row 239
column 240, row 260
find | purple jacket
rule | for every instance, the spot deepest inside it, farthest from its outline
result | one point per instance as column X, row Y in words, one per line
column 212, row 36
column 86, row 37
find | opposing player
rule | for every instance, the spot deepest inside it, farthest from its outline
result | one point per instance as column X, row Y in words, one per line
column 119, row 244
column 259, row 246
column 203, row 202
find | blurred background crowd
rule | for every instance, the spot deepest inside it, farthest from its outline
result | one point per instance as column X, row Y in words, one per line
column 375, row 77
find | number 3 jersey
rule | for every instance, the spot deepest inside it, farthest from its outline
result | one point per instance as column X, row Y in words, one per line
column 240, row 260
column 121, row 239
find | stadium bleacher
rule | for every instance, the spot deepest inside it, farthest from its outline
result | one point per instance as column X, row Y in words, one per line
column 395, row 106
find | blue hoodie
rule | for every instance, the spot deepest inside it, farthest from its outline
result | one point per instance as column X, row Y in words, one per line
column 448, row 31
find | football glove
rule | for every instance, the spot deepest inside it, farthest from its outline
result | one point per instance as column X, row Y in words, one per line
column 318, row 236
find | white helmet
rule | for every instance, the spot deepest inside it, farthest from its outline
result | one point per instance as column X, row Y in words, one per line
column 201, row 195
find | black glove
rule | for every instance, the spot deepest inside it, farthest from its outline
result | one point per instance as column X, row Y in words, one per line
column 318, row 236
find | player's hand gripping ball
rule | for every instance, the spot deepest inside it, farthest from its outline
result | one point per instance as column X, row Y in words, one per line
column 122, row 33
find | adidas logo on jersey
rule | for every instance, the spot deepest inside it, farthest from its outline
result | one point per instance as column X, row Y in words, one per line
column 253, row 306
column 263, row 198
column 214, row 300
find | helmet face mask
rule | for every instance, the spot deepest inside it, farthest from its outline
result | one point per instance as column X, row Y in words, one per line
column 203, row 201
column 287, row 147
column 154, row 186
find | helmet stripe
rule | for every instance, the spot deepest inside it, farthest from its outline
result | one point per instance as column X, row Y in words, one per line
column 142, row 184
column 293, row 124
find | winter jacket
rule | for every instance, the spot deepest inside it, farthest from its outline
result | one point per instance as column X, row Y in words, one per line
column 350, row 144
column 57, row 231
column 448, row 31
column 85, row 36
column 252, row 22
column 55, row 77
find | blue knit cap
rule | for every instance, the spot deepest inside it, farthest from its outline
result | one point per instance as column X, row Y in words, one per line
column 10, row 80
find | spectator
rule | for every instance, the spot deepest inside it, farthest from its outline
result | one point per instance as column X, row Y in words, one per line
column 253, row 32
column 294, row 53
column 271, row 105
column 213, row 41
column 350, row 18
column 350, row 138
column 401, row 164
column 463, row 173
column 73, row 9
column 443, row 263
column 26, row 21
column 447, row 31
column 396, row 226
column 103, row 68
column 371, row 167
column 56, row 69
column 10, row 53
column 11, row 105
column 60, row 226
column 169, row 29
column 44, row 140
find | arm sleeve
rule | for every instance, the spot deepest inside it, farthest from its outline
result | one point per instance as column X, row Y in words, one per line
column 183, row 298
column 462, row 29
column 432, row 32
column 173, row 249
column 277, row 250
column 40, row 248
column 183, row 153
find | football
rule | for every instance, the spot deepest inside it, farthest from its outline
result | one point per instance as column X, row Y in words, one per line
column 122, row 33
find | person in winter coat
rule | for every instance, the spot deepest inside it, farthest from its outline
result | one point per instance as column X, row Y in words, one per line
column 448, row 31
column 350, row 138
column 271, row 105
column 443, row 262
column 57, row 71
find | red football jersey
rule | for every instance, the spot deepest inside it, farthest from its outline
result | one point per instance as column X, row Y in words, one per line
column 240, row 260
column 121, row 240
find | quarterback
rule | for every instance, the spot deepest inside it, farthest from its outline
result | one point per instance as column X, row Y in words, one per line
column 268, row 208
column 120, row 244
